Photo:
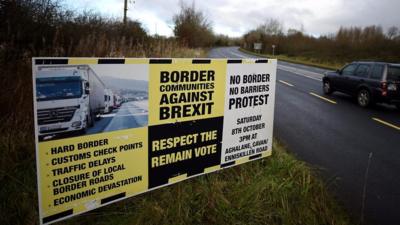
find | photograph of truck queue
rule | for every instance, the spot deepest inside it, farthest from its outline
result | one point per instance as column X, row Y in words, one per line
column 73, row 100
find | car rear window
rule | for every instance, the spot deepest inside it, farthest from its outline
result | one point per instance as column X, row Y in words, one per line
column 393, row 73
column 377, row 72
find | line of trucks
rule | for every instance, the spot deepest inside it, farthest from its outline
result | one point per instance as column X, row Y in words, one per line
column 70, row 99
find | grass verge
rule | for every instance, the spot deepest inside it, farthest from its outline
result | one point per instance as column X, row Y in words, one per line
column 298, row 60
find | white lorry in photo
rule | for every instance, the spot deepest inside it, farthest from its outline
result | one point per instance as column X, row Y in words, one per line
column 117, row 101
column 108, row 101
column 69, row 98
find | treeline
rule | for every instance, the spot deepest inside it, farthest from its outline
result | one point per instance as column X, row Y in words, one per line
column 346, row 45
column 44, row 28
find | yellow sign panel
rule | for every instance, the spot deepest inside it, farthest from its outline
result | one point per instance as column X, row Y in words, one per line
column 186, row 91
column 79, row 173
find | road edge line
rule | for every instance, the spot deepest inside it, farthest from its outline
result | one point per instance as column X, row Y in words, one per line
column 386, row 123
column 323, row 98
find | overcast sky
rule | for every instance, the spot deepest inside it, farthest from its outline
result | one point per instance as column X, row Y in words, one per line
column 235, row 17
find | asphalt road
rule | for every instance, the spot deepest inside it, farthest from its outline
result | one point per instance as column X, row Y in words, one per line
column 334, row 134
column 129, row 115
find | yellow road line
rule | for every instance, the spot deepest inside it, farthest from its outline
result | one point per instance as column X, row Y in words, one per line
column 284, row 82
column 323, row 98
column 386, row 123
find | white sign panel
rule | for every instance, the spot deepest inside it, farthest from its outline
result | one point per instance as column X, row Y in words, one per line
column 249, row 110
column 257, row 46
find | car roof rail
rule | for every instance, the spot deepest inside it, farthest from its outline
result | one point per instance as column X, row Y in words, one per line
column 366, row 61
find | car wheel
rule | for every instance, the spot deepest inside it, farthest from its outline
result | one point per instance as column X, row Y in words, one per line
column 363, row 98
column 327, row 88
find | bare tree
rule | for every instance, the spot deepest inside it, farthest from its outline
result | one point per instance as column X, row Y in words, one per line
column 392, row 32
column 271, row 27
column 192, row 27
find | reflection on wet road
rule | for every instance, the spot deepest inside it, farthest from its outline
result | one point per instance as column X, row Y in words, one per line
column 129, row 115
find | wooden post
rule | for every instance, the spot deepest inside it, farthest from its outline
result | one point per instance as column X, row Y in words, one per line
column 125, row 10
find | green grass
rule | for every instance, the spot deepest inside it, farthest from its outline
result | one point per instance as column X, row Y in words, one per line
column 299, row 60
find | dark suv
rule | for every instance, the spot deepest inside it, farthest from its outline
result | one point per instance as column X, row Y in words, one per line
column 370, row 82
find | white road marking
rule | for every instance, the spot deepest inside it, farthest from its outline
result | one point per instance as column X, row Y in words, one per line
column 240, row 55
column 323, row 98
column 304, row 73
column 286, row 83
column 108, row 115
column 221, row 53
column 386, row 123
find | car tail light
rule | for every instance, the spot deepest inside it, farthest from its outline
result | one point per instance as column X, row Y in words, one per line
column 384, row 88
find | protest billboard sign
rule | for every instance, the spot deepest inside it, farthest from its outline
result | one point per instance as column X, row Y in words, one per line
column 111, row 128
